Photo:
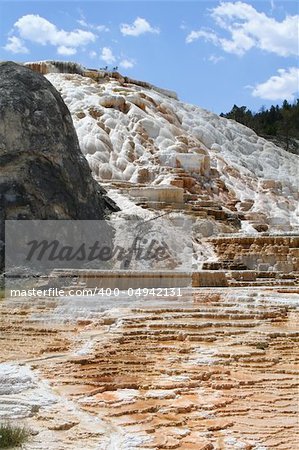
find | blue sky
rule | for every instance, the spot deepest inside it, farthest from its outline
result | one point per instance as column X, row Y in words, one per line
column 212, row 53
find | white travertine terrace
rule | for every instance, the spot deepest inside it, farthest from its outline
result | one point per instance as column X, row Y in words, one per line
column 135, row 134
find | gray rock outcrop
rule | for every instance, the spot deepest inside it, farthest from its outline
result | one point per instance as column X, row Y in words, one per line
column 43, row 174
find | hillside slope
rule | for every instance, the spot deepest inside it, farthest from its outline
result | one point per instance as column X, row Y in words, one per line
column 132, row 133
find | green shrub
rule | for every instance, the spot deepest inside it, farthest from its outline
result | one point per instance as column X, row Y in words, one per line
column 13, row 435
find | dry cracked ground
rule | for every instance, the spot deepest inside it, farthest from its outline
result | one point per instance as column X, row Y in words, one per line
column 213, row 369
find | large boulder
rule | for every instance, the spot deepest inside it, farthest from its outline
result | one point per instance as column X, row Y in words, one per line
column 43, row 174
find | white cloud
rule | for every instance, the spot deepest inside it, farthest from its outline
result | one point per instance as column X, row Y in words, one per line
column 208, row 36
column 183, row 26
column 100, row 28
column 36, row 29
column 279, row 87
column 15, row 45
column 107, row 55
column 139, row 26
column 215, row 59
column 83, row 23
column 63, row 50
column 92, row 54
column 127, row 63
column 249, row 28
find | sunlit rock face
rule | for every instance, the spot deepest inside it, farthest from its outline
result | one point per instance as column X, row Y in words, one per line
column 263, row 253
column 45, row 67
column 132, row 132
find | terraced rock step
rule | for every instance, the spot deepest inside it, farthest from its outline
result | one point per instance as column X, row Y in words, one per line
column 263, row 253
column 209, row 370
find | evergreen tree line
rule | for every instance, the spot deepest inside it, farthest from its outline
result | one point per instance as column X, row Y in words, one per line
column 278, row 123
